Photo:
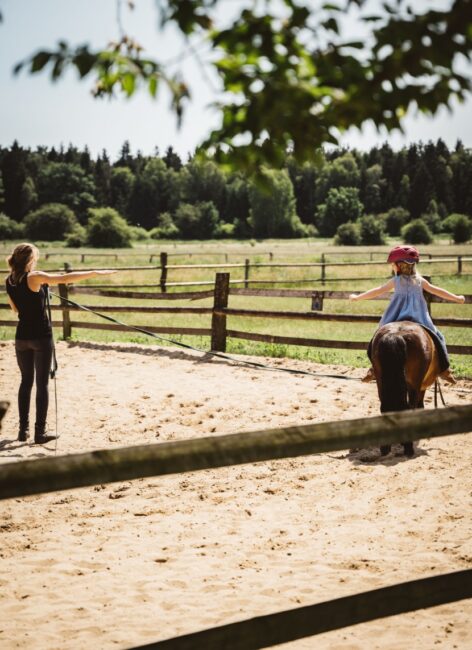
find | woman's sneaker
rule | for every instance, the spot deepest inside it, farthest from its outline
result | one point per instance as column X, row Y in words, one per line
column 41, row 437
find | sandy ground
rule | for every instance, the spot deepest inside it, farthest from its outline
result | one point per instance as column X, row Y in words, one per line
column 119, row 565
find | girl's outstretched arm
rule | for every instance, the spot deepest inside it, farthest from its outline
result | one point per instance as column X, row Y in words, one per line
column 373, row 293
column 37, row 278
column 441, row 293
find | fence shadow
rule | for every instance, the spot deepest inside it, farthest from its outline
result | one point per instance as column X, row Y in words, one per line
column 204, row 357
column 372, row 456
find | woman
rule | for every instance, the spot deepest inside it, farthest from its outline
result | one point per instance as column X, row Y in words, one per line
column 408, row 301
column 33, row 341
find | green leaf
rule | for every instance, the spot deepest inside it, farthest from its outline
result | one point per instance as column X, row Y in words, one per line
column 128, row 83
column 153, row 86
column 39, row 60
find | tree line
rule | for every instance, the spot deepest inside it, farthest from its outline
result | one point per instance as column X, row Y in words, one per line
column 358, row 197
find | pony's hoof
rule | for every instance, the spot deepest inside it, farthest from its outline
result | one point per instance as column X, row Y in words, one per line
column 385, row 449
column 408, row 449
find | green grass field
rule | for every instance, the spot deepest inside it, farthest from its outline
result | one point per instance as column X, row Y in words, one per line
column 344, row 278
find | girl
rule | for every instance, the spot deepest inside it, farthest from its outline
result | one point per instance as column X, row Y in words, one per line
column 26, row 290
column 408, row 302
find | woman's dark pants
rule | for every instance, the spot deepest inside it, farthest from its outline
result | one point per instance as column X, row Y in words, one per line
column 34, row 357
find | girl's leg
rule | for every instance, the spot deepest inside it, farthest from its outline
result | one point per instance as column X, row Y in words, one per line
column 446, row 373
column 42, row 362
column 25, row 359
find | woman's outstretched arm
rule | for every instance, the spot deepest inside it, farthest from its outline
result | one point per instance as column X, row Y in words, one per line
column 441, row 293
column 37, row 278
column 373, row 293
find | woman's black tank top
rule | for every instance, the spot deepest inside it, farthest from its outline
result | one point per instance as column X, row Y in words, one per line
column 33, row 319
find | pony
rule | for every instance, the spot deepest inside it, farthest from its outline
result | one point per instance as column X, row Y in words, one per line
column 405, row 363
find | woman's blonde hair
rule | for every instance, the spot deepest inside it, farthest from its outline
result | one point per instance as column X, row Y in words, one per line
column 20, row 260
column 405, row 268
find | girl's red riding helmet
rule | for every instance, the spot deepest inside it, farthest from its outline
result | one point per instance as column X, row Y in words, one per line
column 404, row 254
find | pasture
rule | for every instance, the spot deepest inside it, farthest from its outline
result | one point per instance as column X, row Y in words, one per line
column 347, row 278
column 130, row 563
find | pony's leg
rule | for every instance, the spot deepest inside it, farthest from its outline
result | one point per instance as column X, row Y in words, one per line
column 415, row 401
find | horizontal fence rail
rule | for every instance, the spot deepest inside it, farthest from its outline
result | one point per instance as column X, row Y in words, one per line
column 282, row 627
column 112, row 465
column 323, row 265
column 220, row 312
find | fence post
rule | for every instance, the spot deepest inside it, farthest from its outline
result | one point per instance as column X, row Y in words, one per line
column 317, row 300
column 218, row 320
column 246, row 274
column 459, row 264
column 163, row 272
column 66, row 326
column 323, row 268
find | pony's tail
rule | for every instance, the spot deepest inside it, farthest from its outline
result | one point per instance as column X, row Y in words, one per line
column 391, row 354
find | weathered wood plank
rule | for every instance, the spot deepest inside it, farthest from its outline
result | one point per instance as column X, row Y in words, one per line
column 322, row 343
column 351, row 318
column 192, row 331
column 111, row 465
column 290, row 625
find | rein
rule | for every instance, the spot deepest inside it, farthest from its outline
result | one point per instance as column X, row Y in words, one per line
column 54, row 365
column 219, row 355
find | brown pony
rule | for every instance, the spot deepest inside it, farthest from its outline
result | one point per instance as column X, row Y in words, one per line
column 405, row 363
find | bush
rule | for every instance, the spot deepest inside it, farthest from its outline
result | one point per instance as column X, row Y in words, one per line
column 106, row 228
column 77, row 237
column 348, row 234
column 395, row 219
column 138, row 233
column 166, row 228
column 225, row 230
column 197, row 221
column 417, row 232
column 372, row 230
column 462, row 229
column 449, row 223
column 51, row 222
column 10, row 229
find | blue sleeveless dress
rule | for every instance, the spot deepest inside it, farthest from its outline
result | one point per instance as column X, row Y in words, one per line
column 408, row 303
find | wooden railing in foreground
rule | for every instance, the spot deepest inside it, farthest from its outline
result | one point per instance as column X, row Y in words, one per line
column 111, row 465
column 104, row 466
column 282, row 627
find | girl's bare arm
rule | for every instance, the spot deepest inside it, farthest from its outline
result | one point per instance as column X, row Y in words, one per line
column 441, row 293
column 373, row 293
column 37, row 278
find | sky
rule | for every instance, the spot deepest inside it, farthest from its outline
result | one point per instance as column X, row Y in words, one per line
column 35, row 111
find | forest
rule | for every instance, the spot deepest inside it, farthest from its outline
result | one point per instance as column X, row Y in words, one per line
column 357, row 197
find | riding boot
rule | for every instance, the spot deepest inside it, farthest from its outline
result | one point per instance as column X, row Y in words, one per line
column 23, row 431
column 40, row 436
column 448, row 376
column 370, row 376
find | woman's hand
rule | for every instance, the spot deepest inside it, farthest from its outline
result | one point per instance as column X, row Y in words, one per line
column 460, row 299
column 353, row 297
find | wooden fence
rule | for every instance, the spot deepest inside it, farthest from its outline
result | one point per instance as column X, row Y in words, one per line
column 105, row 466
column 220, row 312
column 164, row 268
